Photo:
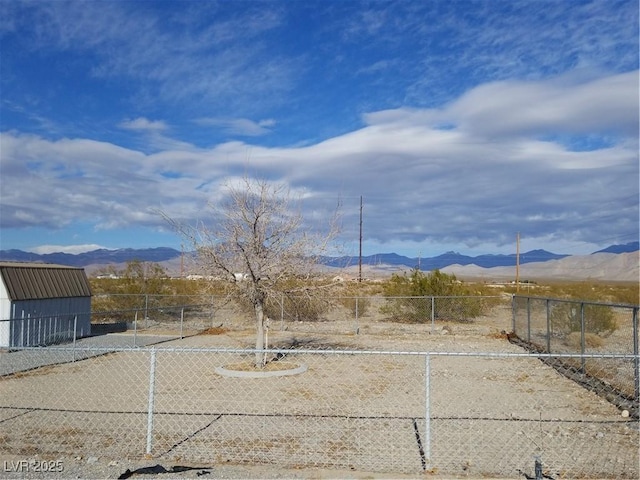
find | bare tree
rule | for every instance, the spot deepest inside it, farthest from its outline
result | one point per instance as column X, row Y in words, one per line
column 258, row 244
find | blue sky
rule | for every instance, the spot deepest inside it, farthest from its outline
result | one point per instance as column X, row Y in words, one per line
column 460, row 123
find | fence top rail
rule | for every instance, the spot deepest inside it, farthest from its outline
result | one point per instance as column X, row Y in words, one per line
column 57, row 348
column 182, row 295
column 159, row 295
column 586, row 302
column 141, row 309
column 391, row 297
column 155, row 308
column 53, row 316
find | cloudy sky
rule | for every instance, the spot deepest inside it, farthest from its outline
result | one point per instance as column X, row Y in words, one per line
column 459, row 122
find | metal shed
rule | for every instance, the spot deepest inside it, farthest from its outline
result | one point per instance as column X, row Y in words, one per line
column 42, row 303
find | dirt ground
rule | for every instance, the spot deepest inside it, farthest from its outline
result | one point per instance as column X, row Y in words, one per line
column 377, row 407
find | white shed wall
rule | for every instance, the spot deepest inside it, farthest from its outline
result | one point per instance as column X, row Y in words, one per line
column 5, row 315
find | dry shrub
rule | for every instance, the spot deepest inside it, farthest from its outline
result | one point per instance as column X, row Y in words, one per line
column 591, row 340
column 501, row 335
column 569, row 316
column 214, row 331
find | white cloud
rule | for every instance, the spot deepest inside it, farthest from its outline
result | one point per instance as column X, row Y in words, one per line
column 456, row 44
column 458, row 175
column 239, row 126
column 523, row 108
column 143, row 124
column 177, row 56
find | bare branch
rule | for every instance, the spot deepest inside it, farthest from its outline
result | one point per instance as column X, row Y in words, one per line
column 258, row 232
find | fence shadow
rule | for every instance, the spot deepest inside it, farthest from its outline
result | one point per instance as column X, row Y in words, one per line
column 105, row 328
column 582, row 378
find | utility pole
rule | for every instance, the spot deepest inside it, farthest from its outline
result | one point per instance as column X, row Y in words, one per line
column 517, row 262
column 360, row 253
column 182, row 260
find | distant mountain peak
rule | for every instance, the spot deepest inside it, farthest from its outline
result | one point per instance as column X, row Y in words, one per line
column 99, row 256
column 625, row 248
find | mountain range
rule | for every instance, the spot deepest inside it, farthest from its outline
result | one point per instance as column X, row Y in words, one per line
column 444, row 260
column 95, row 257
column 163, row 254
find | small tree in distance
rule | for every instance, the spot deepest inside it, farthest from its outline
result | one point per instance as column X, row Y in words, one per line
column 258, row 244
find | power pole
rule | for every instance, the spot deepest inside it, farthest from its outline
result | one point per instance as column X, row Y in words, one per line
column 182, row 260
column 517, row 262
column 360, row 254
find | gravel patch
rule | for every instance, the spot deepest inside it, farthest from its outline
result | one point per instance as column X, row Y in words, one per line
column 14, row 361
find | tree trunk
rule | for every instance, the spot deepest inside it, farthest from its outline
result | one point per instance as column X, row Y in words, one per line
column 260, row 331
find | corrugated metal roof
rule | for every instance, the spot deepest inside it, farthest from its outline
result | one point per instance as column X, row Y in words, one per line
column 35, row 281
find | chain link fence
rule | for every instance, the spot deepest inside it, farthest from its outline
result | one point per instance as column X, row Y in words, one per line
column 195, row 313
column 582, row 328
column 444, row 394
column 453, row 414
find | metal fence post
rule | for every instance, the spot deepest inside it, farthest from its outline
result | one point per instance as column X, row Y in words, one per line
column 513, row 314
column 282, row 311
column 548, row 328
column 150, row 405
column 181, row 322
column 135, row 329
column 357, row 323
column 636, row 358
column 213, row 310
column 75, row 327
column 433, row 313
column 427, row 409
column 582, row 338
column 528, row 319
column 146, row 310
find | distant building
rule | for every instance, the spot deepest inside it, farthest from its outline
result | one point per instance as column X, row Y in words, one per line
column 41, row 304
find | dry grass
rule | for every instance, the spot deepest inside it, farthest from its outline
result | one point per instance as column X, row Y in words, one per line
column 501, row 335
column 213, row 331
